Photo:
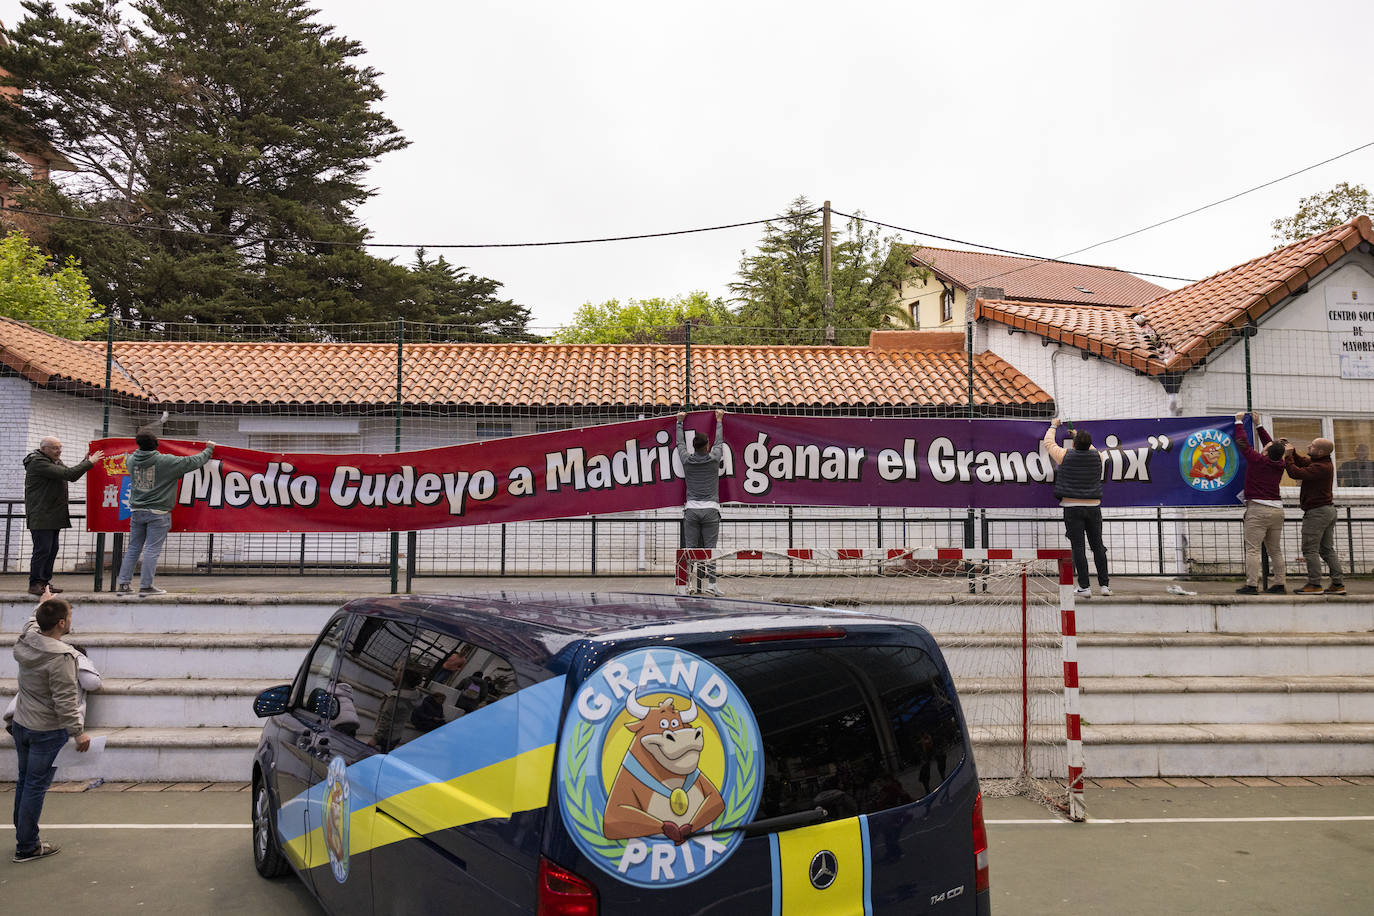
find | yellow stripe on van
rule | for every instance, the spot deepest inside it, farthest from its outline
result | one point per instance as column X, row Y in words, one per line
column 498, row 791
column 793, row 854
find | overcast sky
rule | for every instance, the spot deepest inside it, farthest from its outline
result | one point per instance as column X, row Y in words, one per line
column 1040, row 128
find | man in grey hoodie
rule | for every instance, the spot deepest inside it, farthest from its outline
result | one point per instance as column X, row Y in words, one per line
column 46, row 714
column 701, row 513
column 153, row 479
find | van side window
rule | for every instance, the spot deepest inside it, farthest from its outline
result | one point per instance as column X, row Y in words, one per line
column 320, row 666
column 365, row 678
column 441, row 680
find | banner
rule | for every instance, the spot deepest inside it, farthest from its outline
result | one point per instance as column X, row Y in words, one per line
column 622, row 467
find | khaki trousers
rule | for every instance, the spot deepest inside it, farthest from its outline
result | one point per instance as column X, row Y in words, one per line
column 1263, row 525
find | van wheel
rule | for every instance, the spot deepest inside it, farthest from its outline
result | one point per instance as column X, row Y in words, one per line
column 267, row 855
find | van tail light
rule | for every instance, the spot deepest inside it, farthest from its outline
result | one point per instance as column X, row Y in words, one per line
column 980, row 847
column 563, row 893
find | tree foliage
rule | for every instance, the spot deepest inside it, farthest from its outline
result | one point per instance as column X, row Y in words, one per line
column 55, row 298
column 462, row 305
column 227, row 141
column 781, row 285
column 654, row 320
column 1322, row 211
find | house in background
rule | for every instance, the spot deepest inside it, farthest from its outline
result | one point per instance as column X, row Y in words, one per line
column 939, row 300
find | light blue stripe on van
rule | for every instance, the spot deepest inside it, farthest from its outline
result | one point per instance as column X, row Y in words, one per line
column 866, row 845
column 524, row 721
column 777, row 873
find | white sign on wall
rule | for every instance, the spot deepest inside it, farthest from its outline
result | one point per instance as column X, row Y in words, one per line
column 1350, row 323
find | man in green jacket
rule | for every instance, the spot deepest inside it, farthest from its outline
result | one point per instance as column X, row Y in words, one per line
column 153, row 479
column 45, row 505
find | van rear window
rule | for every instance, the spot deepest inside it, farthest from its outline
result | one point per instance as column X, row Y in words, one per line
column 851, row 729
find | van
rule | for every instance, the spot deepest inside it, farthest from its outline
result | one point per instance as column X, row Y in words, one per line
column 587, row 754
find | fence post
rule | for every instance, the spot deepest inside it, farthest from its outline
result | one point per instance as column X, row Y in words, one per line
column 400, row 369
column 687, row 366
column 1349, row 542
column 412, row 542
column 99, row 583
column 9, row 518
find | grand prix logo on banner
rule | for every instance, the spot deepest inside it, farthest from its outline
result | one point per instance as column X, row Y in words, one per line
column 624, row 467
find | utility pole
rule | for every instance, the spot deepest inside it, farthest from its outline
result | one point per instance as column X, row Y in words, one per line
column 829, row 306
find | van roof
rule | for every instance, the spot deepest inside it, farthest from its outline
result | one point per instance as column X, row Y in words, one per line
column 540, row 625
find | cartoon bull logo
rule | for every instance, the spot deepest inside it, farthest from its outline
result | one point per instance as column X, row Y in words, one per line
column 660, row 788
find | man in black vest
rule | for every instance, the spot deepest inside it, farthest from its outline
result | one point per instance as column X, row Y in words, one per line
column 1078, row 484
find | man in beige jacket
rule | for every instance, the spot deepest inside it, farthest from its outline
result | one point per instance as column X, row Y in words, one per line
column 46, row 714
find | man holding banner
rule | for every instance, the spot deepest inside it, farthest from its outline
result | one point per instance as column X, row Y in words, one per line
column 1078, row 485
column 153, row 477
column 701, row 512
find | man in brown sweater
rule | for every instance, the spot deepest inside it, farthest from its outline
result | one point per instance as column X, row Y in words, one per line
column 1316, row 474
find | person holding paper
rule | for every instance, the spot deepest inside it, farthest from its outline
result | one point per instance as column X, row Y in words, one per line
column 46, row 714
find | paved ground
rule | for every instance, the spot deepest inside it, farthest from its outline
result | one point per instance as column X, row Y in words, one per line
column 1225, row 848
column 1125, row 588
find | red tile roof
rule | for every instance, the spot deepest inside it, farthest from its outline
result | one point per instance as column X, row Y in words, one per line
column 920, row 372
column 1039, row 281
column 1175, row 331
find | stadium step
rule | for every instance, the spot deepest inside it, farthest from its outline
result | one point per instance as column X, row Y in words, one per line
column 171, row 702
column 159, row 755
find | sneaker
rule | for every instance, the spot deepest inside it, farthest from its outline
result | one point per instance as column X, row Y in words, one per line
column 1336, row 588
column 1309, row 589
column 42, row 852
column 1105, row 592
column 1247, row 590
column 711, row 590
column 124, row 590
column 151, row 590
column 1276, row 590
column 1083, row 592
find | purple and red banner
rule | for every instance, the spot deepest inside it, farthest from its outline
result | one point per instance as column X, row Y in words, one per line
column 621, row 467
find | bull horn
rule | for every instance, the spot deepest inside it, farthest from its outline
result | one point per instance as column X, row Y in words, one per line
column 634, row 707
column 689, row 713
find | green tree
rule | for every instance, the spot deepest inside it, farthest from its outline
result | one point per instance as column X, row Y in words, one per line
column 462, row 305
column 55, row 298
column 781, row 285
column 649, row 321
column 228, row 142
column 1319, row 212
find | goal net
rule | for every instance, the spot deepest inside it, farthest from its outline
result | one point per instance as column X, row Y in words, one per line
column 1004, row 620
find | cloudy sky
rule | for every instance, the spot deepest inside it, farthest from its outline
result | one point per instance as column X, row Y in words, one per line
column 1041, row 128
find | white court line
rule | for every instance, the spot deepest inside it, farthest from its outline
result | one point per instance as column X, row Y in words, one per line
column 1190, row 820
column 54, row 826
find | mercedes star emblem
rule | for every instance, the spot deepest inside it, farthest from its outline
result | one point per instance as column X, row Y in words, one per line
column 823, row 869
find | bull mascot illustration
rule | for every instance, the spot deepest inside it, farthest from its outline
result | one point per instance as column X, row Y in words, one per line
column 659, row 788
column 1209, row 463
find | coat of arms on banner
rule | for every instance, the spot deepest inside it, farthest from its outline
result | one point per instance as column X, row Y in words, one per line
column 660, row 758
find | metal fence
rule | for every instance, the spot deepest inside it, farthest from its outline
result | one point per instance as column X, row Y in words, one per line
column 1190, row 543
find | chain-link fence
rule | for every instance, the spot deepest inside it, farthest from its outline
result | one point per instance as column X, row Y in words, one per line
column 400, row 386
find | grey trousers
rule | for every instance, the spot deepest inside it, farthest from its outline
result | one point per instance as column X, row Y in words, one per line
column 1319, row 543
column 701, row 528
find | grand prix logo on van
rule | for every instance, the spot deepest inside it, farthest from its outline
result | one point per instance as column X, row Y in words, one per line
column 336, row 815
column 660, row 758
column 1208, row 460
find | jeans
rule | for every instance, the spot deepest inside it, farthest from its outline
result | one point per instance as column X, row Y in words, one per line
column 1263, row 525
column 1085, row 523
column 44, row 554
column 701, row 528
column 37, row 751
column 147, row 532
column 1319, row 543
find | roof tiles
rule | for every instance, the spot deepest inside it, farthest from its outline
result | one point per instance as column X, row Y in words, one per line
column 1038, row 280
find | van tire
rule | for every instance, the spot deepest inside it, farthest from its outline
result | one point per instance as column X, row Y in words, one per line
column 267, row 855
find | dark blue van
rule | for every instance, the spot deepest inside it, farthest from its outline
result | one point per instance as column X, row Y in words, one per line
column 611, row 754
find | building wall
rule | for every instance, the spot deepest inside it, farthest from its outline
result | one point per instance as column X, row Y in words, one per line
column 923, row 297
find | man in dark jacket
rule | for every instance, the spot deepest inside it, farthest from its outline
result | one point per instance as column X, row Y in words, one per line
column 45, row 505
column 1078, row 484
column 1263, row 522
column 153, row 479
column 1316, row 474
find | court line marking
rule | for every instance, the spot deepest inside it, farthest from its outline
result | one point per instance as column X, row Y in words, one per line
column 1189, row 820
column 54, row 826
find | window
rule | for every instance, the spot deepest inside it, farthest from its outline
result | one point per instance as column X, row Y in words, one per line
column 550, row 426
column 1299, row 431
column 316, row 672
column 366, row 679
column 947, row 305
column 334, row 443
column 440, row 680
column 853, row 730
column 488, row 429
column 180, row 429
column 1354, row 467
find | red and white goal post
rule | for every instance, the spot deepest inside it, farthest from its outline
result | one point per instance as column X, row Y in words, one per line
column 1004, row 619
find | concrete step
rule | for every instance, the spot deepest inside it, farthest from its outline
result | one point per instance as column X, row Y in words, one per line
column 175, row 614
column 184, row 655
column 1226, row 749
column 1241, row 615
column 168, row 702
column 1232, row 655
column 159, row 754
